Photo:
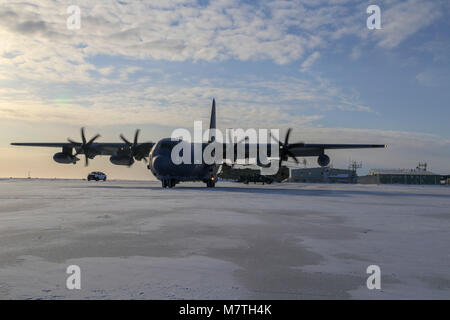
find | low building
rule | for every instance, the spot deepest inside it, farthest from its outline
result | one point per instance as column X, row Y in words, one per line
column 400, row 176
column 323, row 175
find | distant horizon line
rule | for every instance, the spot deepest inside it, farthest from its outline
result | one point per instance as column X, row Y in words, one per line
column 55, row 178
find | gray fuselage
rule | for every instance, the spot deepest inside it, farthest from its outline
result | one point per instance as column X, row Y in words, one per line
column 161, row 165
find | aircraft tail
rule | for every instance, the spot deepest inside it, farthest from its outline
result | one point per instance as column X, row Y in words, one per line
column 212, row 123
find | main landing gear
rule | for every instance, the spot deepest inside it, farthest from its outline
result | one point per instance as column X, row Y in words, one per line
column 168, row 183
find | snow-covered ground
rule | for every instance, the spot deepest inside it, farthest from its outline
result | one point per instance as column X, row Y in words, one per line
column 283, row 241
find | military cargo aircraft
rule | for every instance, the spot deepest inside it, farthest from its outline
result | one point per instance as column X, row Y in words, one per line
column 159, row 154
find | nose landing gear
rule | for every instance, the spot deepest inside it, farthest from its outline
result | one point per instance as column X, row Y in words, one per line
column 211, row 183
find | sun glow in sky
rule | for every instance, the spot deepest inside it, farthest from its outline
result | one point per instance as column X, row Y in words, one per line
column 155, row 65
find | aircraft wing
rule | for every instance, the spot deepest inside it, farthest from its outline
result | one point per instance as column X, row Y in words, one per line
column 310, row 150
column 43, row 144
column 101, row 148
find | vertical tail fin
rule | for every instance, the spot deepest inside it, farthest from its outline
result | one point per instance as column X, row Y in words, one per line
column 212, row 123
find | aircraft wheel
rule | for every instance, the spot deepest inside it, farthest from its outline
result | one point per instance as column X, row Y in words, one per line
column 210, row 184
column 164, row 183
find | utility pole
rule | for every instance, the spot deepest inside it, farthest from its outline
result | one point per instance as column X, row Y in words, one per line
column 422, row 166
column 353, row 166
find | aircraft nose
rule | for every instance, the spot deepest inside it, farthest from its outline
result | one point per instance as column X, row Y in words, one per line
column 159, row 165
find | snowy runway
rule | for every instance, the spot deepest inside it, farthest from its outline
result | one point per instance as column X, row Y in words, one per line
column 133, row 239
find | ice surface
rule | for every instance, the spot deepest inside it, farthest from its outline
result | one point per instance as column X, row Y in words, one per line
column 133, row 239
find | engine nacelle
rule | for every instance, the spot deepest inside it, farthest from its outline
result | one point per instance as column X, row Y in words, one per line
column 323, row 160
column 61, row 157
column 121, row 160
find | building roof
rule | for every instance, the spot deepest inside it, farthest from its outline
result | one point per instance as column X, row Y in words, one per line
column 320, row 169
column 402, row 172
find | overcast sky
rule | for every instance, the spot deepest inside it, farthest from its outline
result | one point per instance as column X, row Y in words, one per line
column 155, row 65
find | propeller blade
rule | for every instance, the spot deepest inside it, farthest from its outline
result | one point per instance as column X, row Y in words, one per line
column 136, row 135
column 74, row 143
column 125, row 139
column 286, row 139
column 290, row 154
column 243, row 140
column 93, row 139
column 86, row 160
column 83, row 137
column 276, row 140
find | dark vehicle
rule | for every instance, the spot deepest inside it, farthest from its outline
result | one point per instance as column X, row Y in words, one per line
column 96, row 175
column 247, row 175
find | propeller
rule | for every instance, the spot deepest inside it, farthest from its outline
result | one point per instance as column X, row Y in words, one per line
column 85, row 146
column 135, row 148
column 285, row 147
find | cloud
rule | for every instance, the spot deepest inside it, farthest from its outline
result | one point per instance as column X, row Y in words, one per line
column 39, row 46
column 433, row 78
column 404, row 19
column 106, row 71
column 185, row 30
column 160, row 105
column 356, row 53
column 30, row 27
column 124, row 95
column 439, row 50
column 307, row 64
